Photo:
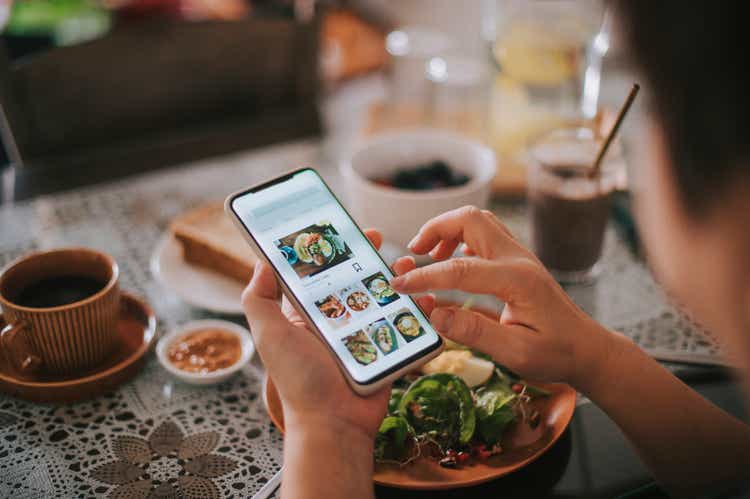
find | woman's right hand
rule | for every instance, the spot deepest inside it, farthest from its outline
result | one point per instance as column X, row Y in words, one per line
column 541, row 333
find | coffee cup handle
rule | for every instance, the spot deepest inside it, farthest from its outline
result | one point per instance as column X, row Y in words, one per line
column 8, row 339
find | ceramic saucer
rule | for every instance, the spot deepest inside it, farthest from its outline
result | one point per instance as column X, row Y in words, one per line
column 136, row 330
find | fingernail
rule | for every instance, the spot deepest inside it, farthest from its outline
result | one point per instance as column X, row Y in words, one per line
column 412, row 242
column 442, row 319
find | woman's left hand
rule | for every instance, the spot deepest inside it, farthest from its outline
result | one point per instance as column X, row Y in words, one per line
column 312, row 389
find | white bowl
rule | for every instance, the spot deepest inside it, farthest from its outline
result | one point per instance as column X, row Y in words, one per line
column 399, row 213
column 213, row 377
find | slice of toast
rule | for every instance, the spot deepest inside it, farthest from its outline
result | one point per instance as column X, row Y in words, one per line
column 210, row 240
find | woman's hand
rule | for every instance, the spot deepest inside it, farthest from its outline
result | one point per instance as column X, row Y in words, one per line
column 541, row 333
column 689, row 444
column 330, row 430
column 312, row 389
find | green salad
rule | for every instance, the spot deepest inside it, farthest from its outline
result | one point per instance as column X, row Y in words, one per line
column 439, row 416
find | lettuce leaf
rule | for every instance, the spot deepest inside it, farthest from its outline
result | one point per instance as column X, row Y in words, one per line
column 390, row 442
column 494, row 414
column 440, row 406
column 396, row 394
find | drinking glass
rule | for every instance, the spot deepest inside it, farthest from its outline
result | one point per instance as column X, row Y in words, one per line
column 458, row 94
column 570, row 207
column 543, row 50
column 410, row 48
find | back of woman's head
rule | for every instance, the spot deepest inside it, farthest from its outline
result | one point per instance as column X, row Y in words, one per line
column 694, row 59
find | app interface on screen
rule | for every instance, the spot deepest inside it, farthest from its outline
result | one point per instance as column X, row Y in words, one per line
column 335, row 274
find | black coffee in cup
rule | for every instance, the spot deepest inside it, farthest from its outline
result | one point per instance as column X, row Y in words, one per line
column 58, row 291
column 62, row 308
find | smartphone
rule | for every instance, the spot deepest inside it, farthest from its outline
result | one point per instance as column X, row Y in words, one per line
column 335, row 278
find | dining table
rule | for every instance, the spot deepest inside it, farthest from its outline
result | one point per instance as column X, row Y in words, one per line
column 86, row 449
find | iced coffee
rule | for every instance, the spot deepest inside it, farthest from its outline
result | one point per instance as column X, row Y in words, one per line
column 570, row 207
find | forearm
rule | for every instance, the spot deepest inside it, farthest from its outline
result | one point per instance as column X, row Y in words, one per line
column 687, row 442
column 324, row 460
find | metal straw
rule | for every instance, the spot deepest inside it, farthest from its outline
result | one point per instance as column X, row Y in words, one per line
column 611, row 135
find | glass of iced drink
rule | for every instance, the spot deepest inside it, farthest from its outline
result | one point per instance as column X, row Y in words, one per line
column 570, row 207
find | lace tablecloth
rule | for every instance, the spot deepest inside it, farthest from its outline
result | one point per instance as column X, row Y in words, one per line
column 155, row 436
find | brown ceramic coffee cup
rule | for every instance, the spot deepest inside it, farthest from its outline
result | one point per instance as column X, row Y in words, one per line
column 61, row 307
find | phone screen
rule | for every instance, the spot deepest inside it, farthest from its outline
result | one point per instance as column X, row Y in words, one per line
column 335, row 274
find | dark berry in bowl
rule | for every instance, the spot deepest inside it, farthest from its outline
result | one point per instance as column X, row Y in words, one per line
column 433, row 175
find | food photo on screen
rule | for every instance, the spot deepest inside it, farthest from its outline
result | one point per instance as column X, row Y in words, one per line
column 314, row 249
column 380, row 289
column 356, row 298
column 361, row 348
column 383, row 335
column 333, row 310
column 407, row 324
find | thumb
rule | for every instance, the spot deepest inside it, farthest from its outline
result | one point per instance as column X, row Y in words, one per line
column 268, row 325
column 263, row 283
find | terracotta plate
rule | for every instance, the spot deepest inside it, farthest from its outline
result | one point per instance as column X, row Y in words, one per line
column 521, row 446
column 136, row 331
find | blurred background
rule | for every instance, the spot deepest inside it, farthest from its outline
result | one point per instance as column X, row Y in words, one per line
column 93, row 90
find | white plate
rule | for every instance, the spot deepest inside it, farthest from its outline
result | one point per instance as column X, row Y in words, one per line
column 198, row 287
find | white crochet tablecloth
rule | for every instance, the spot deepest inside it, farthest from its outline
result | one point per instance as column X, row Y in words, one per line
column 153, row 434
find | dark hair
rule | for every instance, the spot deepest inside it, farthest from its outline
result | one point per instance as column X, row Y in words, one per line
column 694, row 59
